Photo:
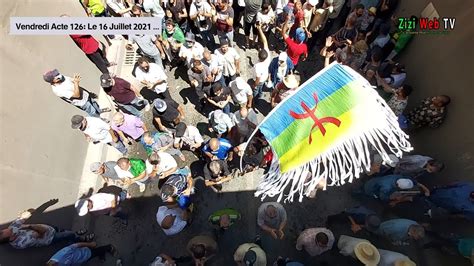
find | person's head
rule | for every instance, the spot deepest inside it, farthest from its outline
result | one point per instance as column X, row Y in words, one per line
column 5, row 235
column 434, row 166
column 214, row 144
column 416, row 232
column 398, row 68
column 144, row 64
column 376, row 56
column 250, row 257
column 83, row 206
column 215, row 168
column 123, row 163
column 154, row 158
column 106, row 81
column 224, row 221
column 404, row 183
column 198, row 251
column 190, row 39
column 198, row 3
column 148, row 137
column 136, row 11
column 405, row 90
column 298, row 5
column 53, row 77
column 170, row 26
column 118, row 119
column 262, row 55
column 282, row 57
column 217, row 88
column 265, row 8
column 197, row 65
column 384, row 29
column 359, row 9
column 321, row 239
column 360, row 36
column 207, row 55
column 271, row 211
column 167, row 192
column 223, row 4
column 224, row 45
column 97, row 168
column 372, row 222
column 351, row 21
column 311, row 4
column 441, row 101
column 244, row 112
column 78, row 122
column 300, row 35
column 168, row 221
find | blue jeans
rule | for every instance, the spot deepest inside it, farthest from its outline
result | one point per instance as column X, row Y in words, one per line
column 208, row 39
column 91, row 108
column 119, row 146
column 64, row 235
column 257, row 92
column 226, row 108
column 229, row 35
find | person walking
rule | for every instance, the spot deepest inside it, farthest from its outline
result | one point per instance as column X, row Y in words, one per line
column 91, row 48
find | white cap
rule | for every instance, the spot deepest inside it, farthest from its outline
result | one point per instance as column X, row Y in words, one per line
column 283, row 56
column 313, row 2
column 404, row 183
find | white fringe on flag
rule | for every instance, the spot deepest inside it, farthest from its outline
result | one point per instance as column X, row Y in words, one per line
column 341, row 163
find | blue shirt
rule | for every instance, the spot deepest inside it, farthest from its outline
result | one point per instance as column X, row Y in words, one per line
column 72, row 255
column 382, row 187
column 455, row 198
column 396, row 230
column 359, row 214
column 223, row 150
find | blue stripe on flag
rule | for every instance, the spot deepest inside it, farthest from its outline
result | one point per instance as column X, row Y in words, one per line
column 324, row 85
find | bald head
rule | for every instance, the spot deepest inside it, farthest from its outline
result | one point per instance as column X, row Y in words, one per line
column 244, row 112
column 214, row 144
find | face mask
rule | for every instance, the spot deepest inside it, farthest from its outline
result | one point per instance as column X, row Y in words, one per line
column 62, row 78
column 146, row 69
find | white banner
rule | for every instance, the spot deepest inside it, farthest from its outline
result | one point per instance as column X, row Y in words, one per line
column 84, row 25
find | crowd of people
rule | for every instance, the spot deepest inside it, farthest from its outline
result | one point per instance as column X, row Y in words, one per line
column 198, row 36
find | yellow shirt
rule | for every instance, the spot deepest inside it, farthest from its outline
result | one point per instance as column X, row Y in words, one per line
column 96, row 7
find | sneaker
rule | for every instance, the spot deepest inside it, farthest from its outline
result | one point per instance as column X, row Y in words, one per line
column 142, row 187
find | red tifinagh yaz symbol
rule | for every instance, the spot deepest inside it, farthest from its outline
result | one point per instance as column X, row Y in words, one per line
column 318, row 122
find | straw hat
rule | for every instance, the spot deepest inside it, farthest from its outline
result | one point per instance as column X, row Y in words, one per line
column 404, row 262
column 291, row 82
column 367, row 253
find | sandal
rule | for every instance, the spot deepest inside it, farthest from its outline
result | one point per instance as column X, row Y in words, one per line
column 81, row 232
column 88, row 237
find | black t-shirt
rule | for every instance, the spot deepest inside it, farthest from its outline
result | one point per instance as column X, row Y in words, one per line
column 171, row 112
column 224, row 170
column 222, row 97
column 176, row 9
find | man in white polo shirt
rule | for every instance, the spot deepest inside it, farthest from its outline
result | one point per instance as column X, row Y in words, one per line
column 153, row 77
column 96, row 130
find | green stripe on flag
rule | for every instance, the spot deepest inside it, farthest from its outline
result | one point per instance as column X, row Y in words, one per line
column 341, row 101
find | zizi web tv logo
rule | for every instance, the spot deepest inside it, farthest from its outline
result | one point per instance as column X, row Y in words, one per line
column 414, row 25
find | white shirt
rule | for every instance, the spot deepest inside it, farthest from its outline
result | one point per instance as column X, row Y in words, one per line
column 240, row 93
column 346, row 244
column 178, row 224
column 117, row 6
column 167, row 162
column 265, row 19
column 192, row 136
column 195, row 51
column 261, row 68
column 122, row 173
column 153, row 6
column 214, row 66
column 98, row 130
column 66, row 89
column 242, row 124
column 205, row 8
column 227, row 61
column 388, row 258
column 101, row 201
column 154, row 74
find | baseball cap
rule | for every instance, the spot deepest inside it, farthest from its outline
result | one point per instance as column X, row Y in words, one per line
column 82, row 207
column 105, row 80
column 180, row 129
column 190, row 37
column 160, row 105
column 76, row 121
column 94, row 167
column 283, row 56
column 50, row 75
column 404, row 183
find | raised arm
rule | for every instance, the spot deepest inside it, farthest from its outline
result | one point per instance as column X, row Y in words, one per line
column 261, row 37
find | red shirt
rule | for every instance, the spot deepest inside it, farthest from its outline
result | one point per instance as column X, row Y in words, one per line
column 87, row 43
column 295, row 50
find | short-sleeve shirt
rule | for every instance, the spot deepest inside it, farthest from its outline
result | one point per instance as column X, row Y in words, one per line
column 221, row 97
column 171, row 112
column 160, row 140
column 96, row 7
column 241, row 93
column 154, row 74
column 382, row 187
column 192, row 136
column 233, row 214
column 132, row 126
column 146, row 43
column 98, row 130
column 176, row 9
column 194, row 52
column 252, row 7
column 397, row 105
column 155, row 7
column 209, row 244
column 455, row 198
column 178, row 181
column 178, row 224
column 65, row 90
column 239, row 254
column 214, row 66
column 227, row 61
column 72, row 255
column 25, row 238
column 295, row 50
column 102, row 201
column 167, row 162
column 263, row 219
column 177, row 35
column 222, row 16
column 87, row 43
column 265, row 19
column 223, row 150
column 261, row 68
column 411, row 165
column 110, row 171
column 396, row 230
column 306, row 241
column 224, row 171
column 121, row 91
column 244, row 124
column 201, row 21
column 220, row 121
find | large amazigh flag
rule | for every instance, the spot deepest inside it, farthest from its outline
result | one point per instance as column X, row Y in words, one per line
column 327, row 131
